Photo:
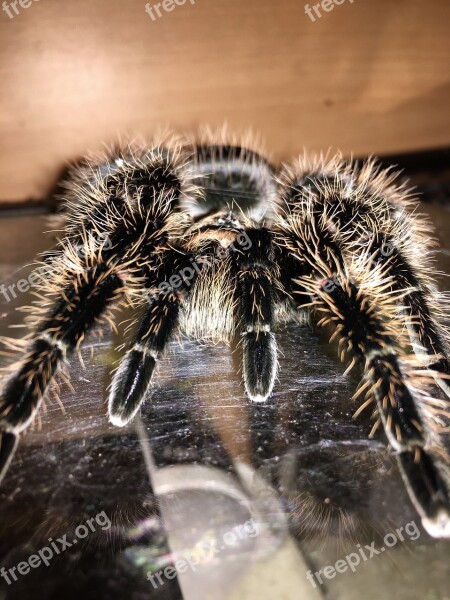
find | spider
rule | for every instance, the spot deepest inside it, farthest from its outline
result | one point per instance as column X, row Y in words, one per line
column 208, row 238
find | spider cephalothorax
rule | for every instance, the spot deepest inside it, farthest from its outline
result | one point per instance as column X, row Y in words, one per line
column 214, row 242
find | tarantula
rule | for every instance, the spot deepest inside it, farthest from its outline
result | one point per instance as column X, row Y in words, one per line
column 212, row 240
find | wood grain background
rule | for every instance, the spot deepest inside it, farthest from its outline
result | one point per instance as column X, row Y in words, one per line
column 370, row 76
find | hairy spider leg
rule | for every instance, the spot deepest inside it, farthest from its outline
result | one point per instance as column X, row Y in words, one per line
column 155, row 329
column 255, row 313
column 424, row 329
column 355, row 317
column 365, row 322
column 80, row 286
column 78, row 308
column 362, row 205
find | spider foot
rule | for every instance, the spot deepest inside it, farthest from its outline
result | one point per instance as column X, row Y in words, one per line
column 427, row 491
column 129, row 386
column 8, row 445
column 438, row 526
column 260, row 364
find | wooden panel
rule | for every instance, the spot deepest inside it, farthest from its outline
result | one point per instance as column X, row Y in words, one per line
column 369, row 76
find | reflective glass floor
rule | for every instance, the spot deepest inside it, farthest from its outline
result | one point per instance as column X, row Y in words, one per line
column 204, row 496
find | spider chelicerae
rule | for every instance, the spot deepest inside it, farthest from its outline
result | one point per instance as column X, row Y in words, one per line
column 211, row 240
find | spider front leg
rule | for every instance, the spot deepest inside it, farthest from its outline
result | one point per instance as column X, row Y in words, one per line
column 359, row 305
column 372, row 341
column 156, row 326
column 358, row 320
column 427, row 333
column 82, row 301
column 255, row 307
column 133, row 376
